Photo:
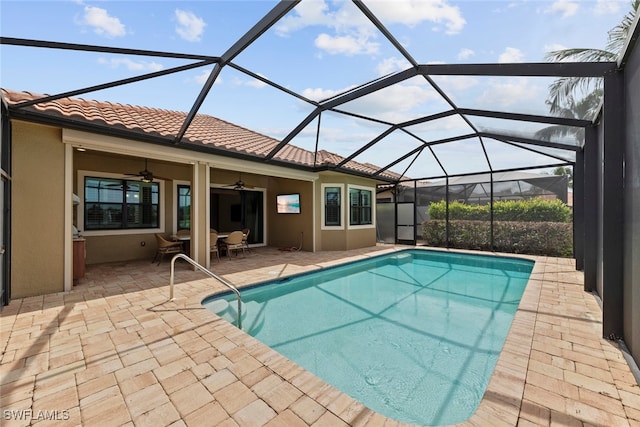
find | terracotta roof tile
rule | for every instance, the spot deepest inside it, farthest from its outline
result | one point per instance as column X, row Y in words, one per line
column 204, row 130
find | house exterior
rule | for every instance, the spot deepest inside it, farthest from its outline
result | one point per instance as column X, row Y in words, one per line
column 80, row 165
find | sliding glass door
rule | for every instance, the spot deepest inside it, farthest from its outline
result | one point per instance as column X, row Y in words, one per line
column 236, row 210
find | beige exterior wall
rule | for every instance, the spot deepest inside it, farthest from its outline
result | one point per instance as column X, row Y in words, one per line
column 285, row 230
column 361, row 238
column 37, row 210
column 347, row 237
column 38, row 203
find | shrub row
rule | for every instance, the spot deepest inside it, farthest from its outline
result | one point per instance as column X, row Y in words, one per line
column 533, row 238
column 532, row 210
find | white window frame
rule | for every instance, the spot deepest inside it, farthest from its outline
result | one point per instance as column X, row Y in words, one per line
column 120, row 232
column 175, row 201
column 373, row 207
column 322, row 211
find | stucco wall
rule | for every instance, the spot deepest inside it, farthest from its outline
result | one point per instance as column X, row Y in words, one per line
column 361, row 238
column 37, row 210
column 631, row 290
column 346, row 238
column 284, row 230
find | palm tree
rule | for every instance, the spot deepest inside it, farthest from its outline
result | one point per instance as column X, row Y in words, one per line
column 565, row 171
column 562, row 90
column 586, row 107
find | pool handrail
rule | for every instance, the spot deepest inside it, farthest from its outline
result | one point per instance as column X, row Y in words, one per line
column 210, row 274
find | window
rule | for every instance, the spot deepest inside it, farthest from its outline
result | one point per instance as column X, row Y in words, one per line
column 360, row 204
column 332, row 206
column 112, row 204
column 184, row 207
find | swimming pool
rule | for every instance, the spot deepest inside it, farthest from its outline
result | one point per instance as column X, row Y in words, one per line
column 414, row 335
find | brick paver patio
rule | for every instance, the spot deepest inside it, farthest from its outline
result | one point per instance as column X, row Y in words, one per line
column 115, row 351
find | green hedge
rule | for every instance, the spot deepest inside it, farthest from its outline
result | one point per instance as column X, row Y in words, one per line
column 534, row 238
column 532, row 210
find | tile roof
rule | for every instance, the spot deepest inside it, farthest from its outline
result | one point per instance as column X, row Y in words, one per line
column 205, row 130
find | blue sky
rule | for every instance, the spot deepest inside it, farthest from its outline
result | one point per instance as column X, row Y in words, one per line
column 319, row 49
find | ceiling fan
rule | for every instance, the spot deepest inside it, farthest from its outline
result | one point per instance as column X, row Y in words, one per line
column 145, row 175
column 239, row 185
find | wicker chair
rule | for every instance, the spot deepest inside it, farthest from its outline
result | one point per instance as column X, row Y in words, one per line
column 245, row 238
column 166, row 247
column 233, row 243
column 213, row 245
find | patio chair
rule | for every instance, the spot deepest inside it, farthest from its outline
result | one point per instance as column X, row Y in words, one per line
column 213, row 245
column 245, row 238
column 233, row 243
column 166, row 246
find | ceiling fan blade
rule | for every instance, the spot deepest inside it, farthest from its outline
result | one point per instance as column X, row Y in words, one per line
column 146, row 175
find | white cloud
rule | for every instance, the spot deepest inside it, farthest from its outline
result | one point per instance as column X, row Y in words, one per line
column 564, row 7
column 392, row 65
column 319, row 94
column 204, row 76
column 465, row 53
column 394, row 103
column 305, row 14
column 347, row 45
column 258, row 84
column 352, row 33
column 190, row 27
column 131, row 65
column 604, row 7
column 449, row 123
column 414, row 12
column 511, row 54
column 456, row 83
column 504, row 94
column 254, row 83
column 102, row 23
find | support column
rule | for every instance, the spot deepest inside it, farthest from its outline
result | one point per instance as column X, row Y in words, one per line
column 612, row 206
column 199, row 220
column 578, row 210
column 446, row 213
column 590, row 205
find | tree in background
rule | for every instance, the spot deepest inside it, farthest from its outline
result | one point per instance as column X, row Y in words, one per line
column 586, row 107
column 564, row 91
column 565, row 171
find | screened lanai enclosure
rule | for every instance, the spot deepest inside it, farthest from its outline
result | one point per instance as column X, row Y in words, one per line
column 403, row 208
column 431, row 129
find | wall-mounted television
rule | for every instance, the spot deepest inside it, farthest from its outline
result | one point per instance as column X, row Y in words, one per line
column 288, row 203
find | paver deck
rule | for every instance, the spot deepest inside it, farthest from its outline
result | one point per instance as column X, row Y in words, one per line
column 115, row 351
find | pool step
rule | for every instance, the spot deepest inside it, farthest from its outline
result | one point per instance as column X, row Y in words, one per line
column 252, row 316
column 219, row 306
column 400, row 259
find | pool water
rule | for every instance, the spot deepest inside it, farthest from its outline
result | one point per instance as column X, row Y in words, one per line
column 414, row 335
